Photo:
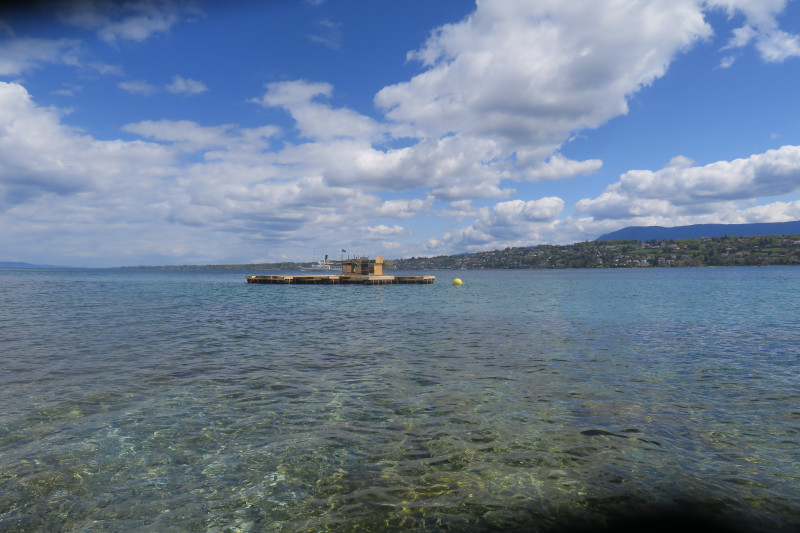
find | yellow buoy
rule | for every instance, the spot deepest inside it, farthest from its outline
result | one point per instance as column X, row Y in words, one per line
column 456, row 281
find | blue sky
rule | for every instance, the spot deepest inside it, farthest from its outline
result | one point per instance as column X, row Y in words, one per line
column 180, row 132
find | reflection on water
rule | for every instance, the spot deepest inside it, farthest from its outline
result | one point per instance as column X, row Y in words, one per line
column 141, row 400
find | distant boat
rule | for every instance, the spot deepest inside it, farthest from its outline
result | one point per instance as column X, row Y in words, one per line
column 322, row 265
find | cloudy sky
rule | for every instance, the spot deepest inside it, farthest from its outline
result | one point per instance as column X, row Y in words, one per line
column 191, row 132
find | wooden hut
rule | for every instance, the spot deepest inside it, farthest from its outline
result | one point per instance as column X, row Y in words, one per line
column 362, row 266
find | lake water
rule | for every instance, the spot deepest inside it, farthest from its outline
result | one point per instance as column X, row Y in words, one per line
column 142, row 400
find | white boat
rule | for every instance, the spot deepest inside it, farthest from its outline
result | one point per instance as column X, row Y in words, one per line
column 323, row 265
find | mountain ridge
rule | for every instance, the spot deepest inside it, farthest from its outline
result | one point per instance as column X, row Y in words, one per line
column 696, row 231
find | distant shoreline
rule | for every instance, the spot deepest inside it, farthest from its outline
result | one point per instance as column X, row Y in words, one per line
column 764, row 250
column 704, row 252
column 20, row 265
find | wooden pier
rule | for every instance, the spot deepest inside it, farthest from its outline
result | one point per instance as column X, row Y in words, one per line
column 340, row 280
column 360, row 271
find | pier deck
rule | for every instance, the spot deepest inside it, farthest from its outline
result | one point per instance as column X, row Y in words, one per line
column 338, row 279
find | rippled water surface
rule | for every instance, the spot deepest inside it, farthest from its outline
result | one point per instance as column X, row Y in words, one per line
column 138, row 400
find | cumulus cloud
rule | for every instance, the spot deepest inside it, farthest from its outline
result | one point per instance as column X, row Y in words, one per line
column 315, row 120
column 559, row 167
column 542, row 76
column 540, row 79
column 773, row 212
column 18, row 55
column 40, row 156
column 760, row 13
column 681, row 188
column 511, row 223
column 777, row 46
column 502, row 90
column 404, row 208
column 188, row 86
column 742, row 37
column 459, row 210
column 508, row 213
column 383, row 231
column 761, row 27
column 680, row 193
column 145, row 189
column 342, row 145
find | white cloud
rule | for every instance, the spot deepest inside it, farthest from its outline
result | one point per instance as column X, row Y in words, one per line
column 342, row 150
column 404, row 208
column 192, row 136
column 512, row 223
column 383, row 231
column 138, row 87
column 314, row 120
column 774, row 44
column 777, row 46
column 459, row 210
column 291, row 94
column 760, row 13
column 774, row 212
column 545, row 68
column 542, row 74
column 471, row 189
column 559, row 167
column 187, row 86
column 503, row 89
column 23, row 54
column 179, row 85
column 683, row 189
column 447, row 167
column 530, row 211
column 742, row 37
column 40, row 156
column 139, row 192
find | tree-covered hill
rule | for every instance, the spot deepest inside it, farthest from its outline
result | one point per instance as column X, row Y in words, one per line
column 706, row 251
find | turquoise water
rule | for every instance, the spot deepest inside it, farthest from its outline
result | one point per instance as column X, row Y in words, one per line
column 530, row 400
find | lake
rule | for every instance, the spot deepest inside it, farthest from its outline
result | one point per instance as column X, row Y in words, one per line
column 547, row 400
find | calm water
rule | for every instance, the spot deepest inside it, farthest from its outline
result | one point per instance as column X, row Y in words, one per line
column 530, row 400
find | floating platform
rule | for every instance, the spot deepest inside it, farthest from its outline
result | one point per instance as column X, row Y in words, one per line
column 356, row 271
column 338, row 279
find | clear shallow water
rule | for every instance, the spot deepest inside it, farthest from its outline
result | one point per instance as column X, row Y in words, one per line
column 531, row 400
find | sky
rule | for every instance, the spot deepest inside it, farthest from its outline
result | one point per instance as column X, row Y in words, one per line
column 172, row 132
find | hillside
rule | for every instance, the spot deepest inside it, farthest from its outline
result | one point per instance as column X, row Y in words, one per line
column 707, row 251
